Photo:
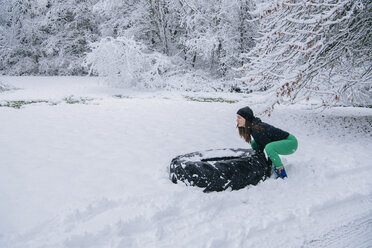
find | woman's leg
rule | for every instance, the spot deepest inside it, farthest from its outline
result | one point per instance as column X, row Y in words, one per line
column 281, row 147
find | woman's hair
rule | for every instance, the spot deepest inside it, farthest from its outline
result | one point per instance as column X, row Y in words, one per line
column 245, row 132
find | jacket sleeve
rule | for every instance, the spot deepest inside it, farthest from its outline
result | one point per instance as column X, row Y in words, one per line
column 254, row 145
column 261, row 139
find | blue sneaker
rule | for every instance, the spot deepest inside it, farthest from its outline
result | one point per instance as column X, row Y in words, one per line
column 280, row 171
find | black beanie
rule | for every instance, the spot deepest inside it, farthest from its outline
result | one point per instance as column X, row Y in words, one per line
column 246, row 113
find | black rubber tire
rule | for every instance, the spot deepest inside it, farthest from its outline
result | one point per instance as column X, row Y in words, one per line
column 232, row 168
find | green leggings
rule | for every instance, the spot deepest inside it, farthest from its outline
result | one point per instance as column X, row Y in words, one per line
column 282, row 147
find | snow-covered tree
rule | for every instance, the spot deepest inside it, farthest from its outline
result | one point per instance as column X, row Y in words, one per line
column 126, row 62
column 209, row 35
column 217, row 33
column 142, row 20
column 68, row 26
column 46, row 37
column 312, row 47
column 51, row 37
column 20, row 37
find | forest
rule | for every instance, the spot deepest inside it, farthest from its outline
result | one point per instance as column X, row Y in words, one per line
column 292, row 50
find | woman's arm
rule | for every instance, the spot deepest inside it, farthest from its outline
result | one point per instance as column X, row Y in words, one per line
column 254, row 145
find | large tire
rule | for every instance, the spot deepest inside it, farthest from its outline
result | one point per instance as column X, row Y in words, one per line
column 220, row 169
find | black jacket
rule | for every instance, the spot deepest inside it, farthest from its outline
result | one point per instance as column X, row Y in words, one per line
column 267, row 135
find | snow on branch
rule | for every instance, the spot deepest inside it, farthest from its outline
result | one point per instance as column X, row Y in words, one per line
column 312, row 48
column 127, row 62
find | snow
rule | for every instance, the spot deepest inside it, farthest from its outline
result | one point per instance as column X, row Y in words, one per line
column 95, row 174
column 213, row 154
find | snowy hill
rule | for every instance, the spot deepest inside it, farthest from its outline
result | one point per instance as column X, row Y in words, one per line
column 86, row 165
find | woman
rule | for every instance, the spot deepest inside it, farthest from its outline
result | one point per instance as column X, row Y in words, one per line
column 266, row 137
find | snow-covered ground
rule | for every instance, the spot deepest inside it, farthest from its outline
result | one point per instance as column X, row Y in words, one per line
column 89, row 168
